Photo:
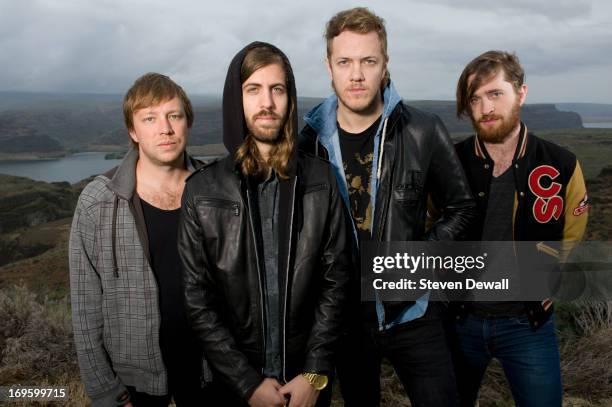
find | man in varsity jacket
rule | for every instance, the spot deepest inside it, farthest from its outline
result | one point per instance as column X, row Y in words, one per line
column 526, row 189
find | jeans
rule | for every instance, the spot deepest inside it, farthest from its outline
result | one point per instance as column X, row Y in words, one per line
column 419, row 354
column 530, row 359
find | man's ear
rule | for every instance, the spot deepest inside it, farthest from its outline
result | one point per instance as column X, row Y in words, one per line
column 133, row 136
column 328, row 66
column 522, row 93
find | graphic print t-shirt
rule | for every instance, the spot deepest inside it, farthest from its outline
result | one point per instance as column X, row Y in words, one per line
column 357, row 155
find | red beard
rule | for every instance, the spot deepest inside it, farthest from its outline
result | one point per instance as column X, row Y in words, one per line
column 501, row 132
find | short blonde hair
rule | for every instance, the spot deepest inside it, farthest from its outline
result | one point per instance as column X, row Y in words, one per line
column 362, row 21
column 149, row 90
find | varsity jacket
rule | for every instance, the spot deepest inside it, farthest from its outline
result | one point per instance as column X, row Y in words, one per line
column 550, row 200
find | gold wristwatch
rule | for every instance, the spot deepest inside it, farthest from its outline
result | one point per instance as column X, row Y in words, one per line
column 318, row 381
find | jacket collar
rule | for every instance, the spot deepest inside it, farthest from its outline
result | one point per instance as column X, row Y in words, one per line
column 123, row 182
column 521, row 147
column 322, row 118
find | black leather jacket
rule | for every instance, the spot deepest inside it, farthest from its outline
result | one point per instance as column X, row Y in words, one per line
column 419, row 161
column 223, row 282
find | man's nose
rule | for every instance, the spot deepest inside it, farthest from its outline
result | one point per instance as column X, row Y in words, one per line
column 165, row 126
column 266, row 101
column 356, row 73
column 487, row 106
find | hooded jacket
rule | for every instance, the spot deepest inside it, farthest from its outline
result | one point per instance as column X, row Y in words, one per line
column 414, row 159
column 114, row 296
column 221, row 257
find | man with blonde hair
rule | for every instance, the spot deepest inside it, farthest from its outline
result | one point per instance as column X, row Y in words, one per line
column 133, row 342
column 388, row 159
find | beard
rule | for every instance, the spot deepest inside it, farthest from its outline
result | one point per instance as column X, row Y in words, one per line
column 359, row 106
column 498, row 134
column 265, row 132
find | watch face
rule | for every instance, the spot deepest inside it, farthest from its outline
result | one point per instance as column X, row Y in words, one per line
column 320, row 381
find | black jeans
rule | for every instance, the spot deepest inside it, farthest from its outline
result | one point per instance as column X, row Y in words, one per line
column 419, row 354
column 184, row 386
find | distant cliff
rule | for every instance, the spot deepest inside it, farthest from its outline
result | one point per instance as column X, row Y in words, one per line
column 16, row 138
column 25, row 203
column 536, row 116
column 88, row 123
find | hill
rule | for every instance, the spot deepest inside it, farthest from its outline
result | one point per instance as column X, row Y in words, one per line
column 590, row 112
column 59, row 123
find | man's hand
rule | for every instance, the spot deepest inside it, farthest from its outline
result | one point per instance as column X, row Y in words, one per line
column 302, row 393
column 267, row 394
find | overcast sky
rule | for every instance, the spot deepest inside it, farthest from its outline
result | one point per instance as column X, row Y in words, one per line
column 103, row 45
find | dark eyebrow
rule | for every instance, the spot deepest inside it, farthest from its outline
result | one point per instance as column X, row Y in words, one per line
column 493, row 91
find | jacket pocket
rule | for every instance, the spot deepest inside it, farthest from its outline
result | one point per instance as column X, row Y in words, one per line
column 314, row 188
column 219, row 203
column 409, row 191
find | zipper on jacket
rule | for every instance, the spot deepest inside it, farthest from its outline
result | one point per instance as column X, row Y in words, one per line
column 261, row 296
column 287, row 280
column 220, row 203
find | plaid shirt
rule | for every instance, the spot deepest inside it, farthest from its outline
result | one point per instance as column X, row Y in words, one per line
column 114, row 294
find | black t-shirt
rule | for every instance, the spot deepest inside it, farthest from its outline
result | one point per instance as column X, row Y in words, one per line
column 178, row 344
column 498, row 227
column 357, row 156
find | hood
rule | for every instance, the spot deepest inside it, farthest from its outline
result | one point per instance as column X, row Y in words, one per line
column 234, row 124
column 322, row 118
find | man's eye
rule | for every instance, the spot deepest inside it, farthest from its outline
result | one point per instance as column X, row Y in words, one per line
column 474, row 100
column 496, row 94
column 343, row 62
column 148, row 119
column 370, row 62
column 278, row 89
column 251, row 91
column 175, row 116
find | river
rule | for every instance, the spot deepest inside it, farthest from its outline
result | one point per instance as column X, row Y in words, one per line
column 71, row 168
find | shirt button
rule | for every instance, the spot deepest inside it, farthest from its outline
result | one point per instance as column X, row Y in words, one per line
column 521, row 193
column 481, row 194
column 515, row 165
column 486, row 166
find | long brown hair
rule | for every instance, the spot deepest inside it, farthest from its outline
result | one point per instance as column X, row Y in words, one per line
column 250, row 161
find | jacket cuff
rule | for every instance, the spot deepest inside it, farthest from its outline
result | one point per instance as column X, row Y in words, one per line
column 114, row 397
column 315, row 365
column 251, row 383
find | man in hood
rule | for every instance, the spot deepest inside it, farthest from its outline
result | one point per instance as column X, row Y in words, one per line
column 133, row 342
column 264, row 244
column 388, row 158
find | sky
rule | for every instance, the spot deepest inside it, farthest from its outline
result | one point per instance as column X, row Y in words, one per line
column 102, row 46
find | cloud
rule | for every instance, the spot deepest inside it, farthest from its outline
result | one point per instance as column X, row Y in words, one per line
column 76, row 46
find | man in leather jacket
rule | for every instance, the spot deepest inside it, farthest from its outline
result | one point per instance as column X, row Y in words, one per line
column 388, row 159
column 265, row 246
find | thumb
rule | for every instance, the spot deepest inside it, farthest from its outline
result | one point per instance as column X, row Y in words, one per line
column 276, row 384
column 286, row 389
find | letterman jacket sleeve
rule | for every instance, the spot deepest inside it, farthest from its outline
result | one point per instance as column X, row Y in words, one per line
column 575, row 215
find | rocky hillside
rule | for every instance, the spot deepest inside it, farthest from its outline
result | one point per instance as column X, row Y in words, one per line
column 600, row 213
column 94, row 121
